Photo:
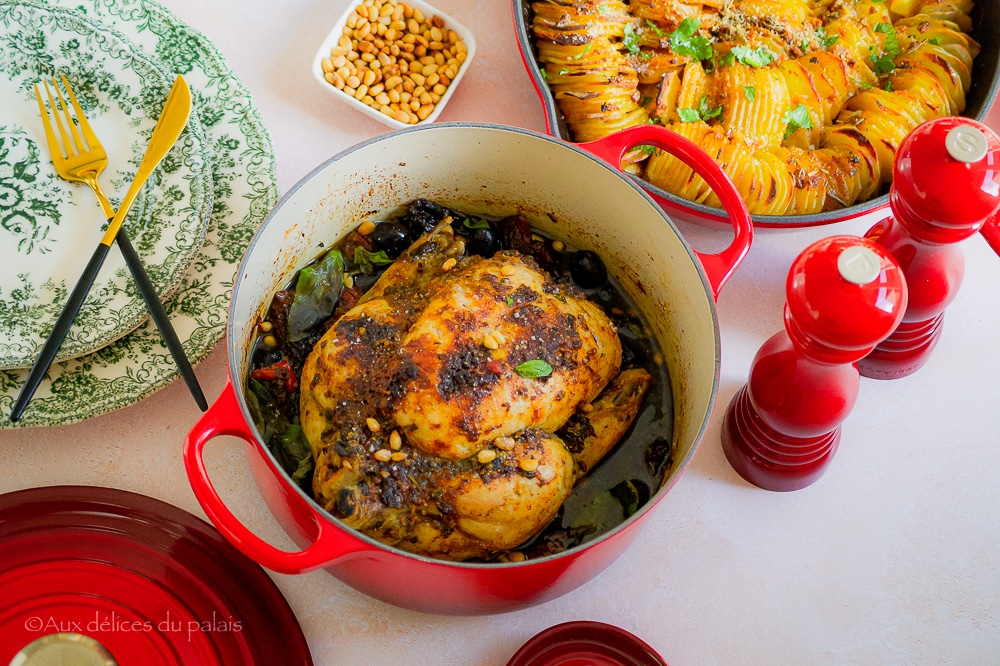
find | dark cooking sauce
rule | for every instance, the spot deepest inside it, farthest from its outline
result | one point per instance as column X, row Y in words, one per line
column 614, row 490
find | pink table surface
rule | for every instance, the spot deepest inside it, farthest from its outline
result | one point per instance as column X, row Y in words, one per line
column 891, row 558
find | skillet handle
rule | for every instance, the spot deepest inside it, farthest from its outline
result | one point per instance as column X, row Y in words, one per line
column 719, row 267
column 224, row 418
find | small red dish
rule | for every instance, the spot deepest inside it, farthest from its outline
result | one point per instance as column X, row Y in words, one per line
column 585, row 643
column 99, row 572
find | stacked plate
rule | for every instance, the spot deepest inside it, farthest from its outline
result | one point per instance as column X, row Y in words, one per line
column 191, row 223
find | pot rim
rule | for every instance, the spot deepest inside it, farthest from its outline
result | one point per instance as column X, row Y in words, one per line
column 234, row 353
column 555, row 125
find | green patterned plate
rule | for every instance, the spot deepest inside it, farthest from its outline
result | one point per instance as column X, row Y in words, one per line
column 48, row 226
column 245, row 189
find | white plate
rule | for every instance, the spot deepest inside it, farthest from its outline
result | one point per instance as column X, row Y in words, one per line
column 245, row 187
column 49, row 227
column 333, row 38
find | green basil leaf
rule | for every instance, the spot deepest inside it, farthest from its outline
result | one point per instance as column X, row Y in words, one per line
column 535, row 369
column 475, row 223
column 750, row 92
column 367, row 260
column 316, row 293
column 285, row 439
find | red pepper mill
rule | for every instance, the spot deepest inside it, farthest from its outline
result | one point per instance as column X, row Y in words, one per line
column 844, row 295
column 946, row 186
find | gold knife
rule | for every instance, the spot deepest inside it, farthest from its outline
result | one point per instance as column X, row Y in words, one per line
column 169, row 126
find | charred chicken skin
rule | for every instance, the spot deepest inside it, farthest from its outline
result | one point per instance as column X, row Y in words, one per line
column 433, row 428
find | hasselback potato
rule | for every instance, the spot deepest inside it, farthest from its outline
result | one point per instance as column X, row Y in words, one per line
column 802, row 102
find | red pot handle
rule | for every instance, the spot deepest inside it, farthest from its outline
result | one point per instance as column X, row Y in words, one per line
column 225, row 418
column 991, row 232
column 720, row 266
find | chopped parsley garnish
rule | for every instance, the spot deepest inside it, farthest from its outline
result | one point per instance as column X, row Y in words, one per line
column 797, row 118
column 564, row 71
column 891, row 42
column 750, row 92
column 631, row 41
column 826, row 41
column 585, row 51
column 881, row 64
column 660, row 32
column 685, row 41
column 703, row 112
column 535, row 369
column 936, row 41
column 758, row 57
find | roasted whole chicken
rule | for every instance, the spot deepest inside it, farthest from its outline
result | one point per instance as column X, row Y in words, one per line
column 452, row 409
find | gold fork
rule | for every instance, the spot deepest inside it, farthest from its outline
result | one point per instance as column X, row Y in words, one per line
column 79, row 157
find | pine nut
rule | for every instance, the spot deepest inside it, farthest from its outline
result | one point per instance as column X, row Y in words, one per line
column 372, row 424
column 486, row 456
column 504, row 443
column 395, row 441
column 383, row 455
column 528, row 465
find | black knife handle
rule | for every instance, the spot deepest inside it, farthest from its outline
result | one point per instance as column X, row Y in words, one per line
column 59, row 331
column 160, row 317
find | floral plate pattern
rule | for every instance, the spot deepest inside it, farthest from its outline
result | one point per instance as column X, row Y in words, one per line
column 48, row 226
column 245, row 190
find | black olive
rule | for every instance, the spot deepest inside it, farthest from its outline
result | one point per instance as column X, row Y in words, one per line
column 423, row 215
column 345, row 502
column 587, row 269
column 392, row 237
column 264, row 356
column 364, row 281
column 484, row 241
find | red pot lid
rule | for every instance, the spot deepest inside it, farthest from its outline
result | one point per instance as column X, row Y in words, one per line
column 585, row 644
column 102, row 576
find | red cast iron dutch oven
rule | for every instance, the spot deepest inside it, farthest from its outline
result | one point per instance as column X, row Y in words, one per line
column 487, row 169
column 985, row 84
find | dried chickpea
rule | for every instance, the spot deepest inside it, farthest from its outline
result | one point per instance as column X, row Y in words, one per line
column 391, row 45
